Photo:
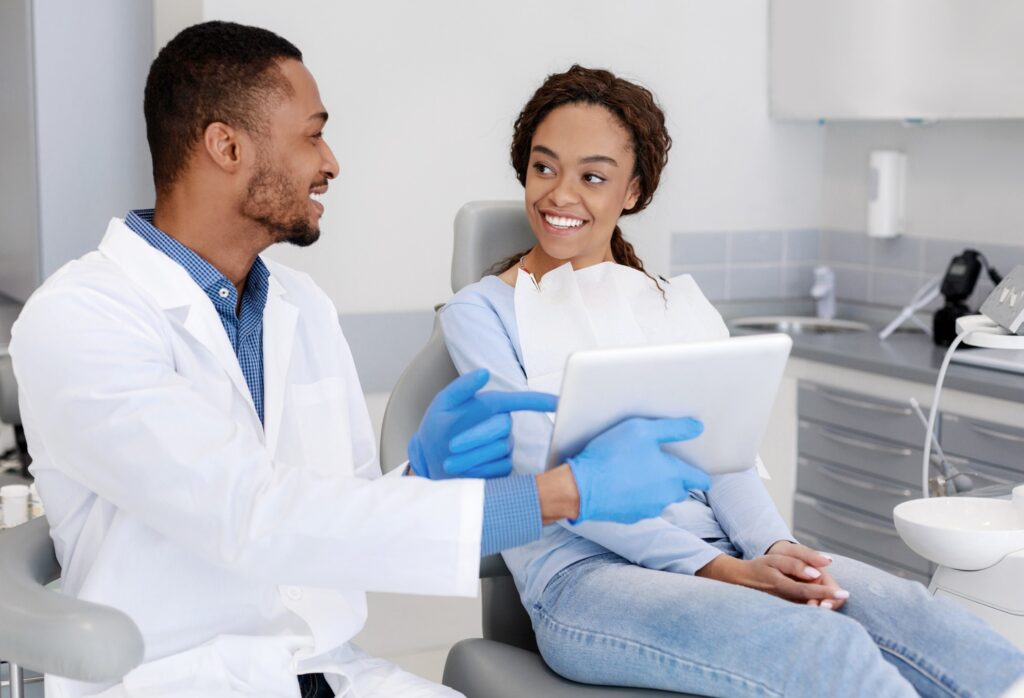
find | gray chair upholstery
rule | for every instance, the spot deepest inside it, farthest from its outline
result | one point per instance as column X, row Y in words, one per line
column 46, row 631
column 505, row 663
column 9, row 413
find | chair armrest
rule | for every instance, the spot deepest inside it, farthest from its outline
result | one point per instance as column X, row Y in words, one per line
column 49, row 632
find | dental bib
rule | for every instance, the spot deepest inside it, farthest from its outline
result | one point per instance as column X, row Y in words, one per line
column 605, row 306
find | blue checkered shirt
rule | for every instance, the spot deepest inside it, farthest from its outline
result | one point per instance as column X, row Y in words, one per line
column 245, row 329
column 512, row 513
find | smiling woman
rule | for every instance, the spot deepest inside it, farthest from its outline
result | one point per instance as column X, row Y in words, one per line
column 715, row 596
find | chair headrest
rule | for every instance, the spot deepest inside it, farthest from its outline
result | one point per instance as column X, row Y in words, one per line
column 487, row 232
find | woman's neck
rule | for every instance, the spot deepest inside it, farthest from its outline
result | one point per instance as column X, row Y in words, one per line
column 538, row 262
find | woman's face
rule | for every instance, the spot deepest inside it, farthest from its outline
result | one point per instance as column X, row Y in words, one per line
column 579, row 180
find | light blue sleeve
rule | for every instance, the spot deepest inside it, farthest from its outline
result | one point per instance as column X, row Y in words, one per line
column 746, row 512
column 477, row 338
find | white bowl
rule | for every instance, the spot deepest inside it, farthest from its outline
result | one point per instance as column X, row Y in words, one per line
column 965, row 533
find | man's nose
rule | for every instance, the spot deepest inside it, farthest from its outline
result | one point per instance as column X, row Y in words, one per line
column 330, row 165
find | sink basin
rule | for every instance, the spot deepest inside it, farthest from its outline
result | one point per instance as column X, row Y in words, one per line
column 791, row 324
column 965, row 533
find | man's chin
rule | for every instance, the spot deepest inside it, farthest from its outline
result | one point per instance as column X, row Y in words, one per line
column 304, row 239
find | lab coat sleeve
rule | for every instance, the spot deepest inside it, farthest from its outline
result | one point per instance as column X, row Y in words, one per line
column 98, row 382
column 746, row 512
column 477, row 338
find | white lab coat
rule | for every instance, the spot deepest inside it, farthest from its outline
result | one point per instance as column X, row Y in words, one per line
column 241, row 552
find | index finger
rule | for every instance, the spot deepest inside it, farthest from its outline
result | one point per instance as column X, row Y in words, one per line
column 505, row 401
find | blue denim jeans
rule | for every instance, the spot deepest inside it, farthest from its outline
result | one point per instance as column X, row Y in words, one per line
column 606, row 621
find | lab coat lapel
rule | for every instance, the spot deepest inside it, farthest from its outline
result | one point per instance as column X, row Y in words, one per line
column 279, row 321
column 175, row 291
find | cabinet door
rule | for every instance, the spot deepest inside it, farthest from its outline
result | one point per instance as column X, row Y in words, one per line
column 896, row 59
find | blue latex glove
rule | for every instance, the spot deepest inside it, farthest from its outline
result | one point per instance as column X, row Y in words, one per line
column 468, row 434
column 624, row 476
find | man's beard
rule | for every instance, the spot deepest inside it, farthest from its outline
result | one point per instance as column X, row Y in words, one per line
column 270, row 201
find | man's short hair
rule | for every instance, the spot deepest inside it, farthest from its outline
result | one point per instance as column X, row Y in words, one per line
column 215, row 71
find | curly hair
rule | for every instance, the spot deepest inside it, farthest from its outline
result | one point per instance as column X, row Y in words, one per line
column 635, row 108
column 214, row 71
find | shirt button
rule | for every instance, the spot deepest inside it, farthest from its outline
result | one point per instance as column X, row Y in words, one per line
column 293, row 593
column 223, row 293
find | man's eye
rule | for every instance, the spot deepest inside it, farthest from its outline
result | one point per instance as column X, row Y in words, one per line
column 317, row 136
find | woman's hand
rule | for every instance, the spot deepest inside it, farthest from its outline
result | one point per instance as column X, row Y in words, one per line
column 780, row 574
column 818, row 561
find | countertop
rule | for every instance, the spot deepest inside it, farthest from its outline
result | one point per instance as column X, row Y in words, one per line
column 908, row 355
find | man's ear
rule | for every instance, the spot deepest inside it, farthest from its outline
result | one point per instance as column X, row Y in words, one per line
column 632, row 194
column 223, row 145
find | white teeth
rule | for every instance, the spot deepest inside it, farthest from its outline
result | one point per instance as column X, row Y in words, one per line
column 315, row 196
column 562, row 222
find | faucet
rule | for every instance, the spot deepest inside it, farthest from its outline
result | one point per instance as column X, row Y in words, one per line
column 824, row 292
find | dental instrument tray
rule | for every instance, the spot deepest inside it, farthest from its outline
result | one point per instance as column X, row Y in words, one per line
column 729, row 385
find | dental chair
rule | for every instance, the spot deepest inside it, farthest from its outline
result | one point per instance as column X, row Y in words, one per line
column 43, row 630
column 505, row 663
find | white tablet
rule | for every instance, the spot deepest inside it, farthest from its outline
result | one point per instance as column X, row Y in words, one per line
column 729, row 385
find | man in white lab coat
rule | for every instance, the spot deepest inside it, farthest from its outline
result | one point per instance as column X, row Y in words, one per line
column 198, row 431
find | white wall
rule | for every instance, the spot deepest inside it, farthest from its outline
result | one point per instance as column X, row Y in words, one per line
column 422, row 98
column 965, row 180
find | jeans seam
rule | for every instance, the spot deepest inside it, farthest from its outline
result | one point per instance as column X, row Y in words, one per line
column 932, row 673
column 682, row 660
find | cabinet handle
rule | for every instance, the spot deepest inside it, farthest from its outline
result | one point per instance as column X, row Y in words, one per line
column 865, row 405
column 848, row 521
column 865, row 445
column 871, row 487
column 997, row 434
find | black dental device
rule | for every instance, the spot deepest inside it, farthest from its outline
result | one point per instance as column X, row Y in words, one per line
column 957, row 286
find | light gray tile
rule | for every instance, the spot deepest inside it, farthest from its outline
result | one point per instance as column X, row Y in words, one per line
column 756, row 246
column 797, row 280
column 845, row 247
column 1003, row 257
column 711, row 280
column 754, row 283
column 852, row 284
column 902, row 253
column 803, row 245
column 699, row 248
column 938, row 253
column 383, row 344
column 894, row 288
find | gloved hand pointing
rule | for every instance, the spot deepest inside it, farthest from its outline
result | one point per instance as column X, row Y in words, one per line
column 468, row 434
column 624, row 476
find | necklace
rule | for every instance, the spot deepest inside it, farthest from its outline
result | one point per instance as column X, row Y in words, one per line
column 522, row 265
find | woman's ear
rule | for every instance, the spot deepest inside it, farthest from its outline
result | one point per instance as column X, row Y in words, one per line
column 632, row 194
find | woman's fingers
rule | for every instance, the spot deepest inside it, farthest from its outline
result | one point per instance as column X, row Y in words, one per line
column 793, row 567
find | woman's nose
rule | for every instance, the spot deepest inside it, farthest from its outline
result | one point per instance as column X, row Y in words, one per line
column 564, row 193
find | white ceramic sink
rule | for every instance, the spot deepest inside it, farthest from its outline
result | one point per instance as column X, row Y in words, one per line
column 965, row 533
column 795, row 324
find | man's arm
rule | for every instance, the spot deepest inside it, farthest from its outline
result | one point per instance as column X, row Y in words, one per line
column 106, row 407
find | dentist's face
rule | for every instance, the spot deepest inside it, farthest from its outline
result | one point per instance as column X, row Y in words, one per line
column 293, row 164
column 580, row 179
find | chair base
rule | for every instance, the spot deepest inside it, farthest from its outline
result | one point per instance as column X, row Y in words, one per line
column 488, row 669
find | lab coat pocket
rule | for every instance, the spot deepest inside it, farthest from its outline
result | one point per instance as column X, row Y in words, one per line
column 319, row 415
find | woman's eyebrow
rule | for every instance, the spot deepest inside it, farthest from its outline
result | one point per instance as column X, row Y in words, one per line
column 544, row 150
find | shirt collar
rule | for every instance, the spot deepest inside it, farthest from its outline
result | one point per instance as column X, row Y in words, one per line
column 206, row 276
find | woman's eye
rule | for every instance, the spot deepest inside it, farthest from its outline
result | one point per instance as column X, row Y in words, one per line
column 541, row 168
column 593, row 179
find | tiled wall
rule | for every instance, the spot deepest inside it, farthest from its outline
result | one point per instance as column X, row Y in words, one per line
column 779, row 264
